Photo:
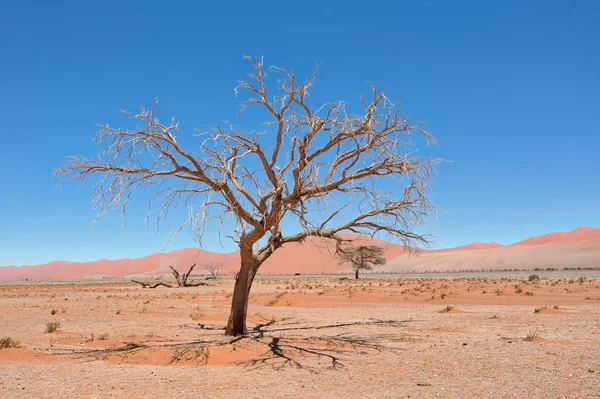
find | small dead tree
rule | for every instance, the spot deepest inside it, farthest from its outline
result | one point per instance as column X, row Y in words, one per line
column 363, row 257
column 213, row 268
column 182, row 278
column 324, row 170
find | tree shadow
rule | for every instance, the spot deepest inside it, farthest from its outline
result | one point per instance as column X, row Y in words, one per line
column 287, row 345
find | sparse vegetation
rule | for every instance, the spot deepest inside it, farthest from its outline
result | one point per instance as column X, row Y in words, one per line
column 534, row 277
column 532, row 335
column 8, row 342
column 447, row 309
column 52, row 326
column 213, row 268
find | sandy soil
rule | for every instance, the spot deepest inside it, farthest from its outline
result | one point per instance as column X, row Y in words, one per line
column 311, row 338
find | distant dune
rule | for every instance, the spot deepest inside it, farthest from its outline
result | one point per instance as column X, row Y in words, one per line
column 576, row 248
column 475, row 245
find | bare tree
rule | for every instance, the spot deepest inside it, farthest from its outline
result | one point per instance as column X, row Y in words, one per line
column 363, row 257
column 182, row 278
column 213, row 268
column 320, row 171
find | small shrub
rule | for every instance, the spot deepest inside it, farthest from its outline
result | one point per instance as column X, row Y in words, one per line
column 447, row 309
column 53, row 312
column 534, row 277
column 538, row 310
column 556, row 306
column 118, row 311
column 8, row 342
column 532, row 335
column 518, row 290
column 52, row 326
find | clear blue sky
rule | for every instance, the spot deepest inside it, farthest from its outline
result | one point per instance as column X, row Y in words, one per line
column 510, row 89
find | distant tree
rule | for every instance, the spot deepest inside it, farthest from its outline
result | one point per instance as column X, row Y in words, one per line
column 213, row 268
column 362, row 257
column 180, row 278
column 323, row 169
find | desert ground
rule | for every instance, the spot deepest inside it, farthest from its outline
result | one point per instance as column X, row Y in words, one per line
column 482, row 335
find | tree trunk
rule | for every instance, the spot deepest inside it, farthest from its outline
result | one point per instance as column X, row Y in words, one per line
column 356, row 274
column 239, row 304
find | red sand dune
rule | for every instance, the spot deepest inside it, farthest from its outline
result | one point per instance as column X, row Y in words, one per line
column 576, row 248
column 475, row 245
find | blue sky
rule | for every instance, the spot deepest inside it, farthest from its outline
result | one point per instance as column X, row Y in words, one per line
column 509, row 88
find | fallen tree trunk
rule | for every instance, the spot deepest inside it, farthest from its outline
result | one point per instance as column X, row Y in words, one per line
column 150, row 285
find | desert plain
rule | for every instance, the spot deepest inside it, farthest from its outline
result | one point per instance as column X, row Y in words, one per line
column 475, row 335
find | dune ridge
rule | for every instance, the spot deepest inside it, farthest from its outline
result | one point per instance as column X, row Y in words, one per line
column 576, row 248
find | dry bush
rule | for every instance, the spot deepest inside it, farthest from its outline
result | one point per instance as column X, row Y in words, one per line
column 52, row 326
column 532, row 335
column 538, row 310
column 8, row 342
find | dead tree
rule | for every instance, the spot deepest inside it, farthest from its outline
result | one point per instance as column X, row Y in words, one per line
column 213, row 268
column 363, row 257
column 325, row 170
column 182, row 278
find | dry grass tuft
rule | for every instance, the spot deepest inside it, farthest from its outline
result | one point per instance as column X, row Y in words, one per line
column 52, row 326
column 8, row 342
column 532, row 335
